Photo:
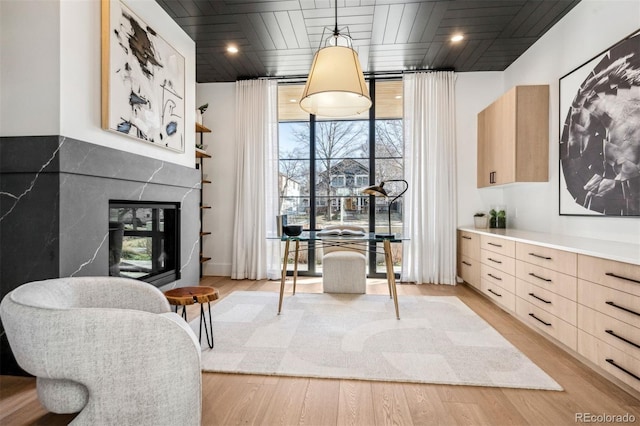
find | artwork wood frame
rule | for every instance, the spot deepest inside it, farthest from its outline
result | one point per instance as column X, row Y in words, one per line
column 143, row 80
column 600, row 134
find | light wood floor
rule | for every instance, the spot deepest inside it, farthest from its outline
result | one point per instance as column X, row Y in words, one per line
column 231, row 399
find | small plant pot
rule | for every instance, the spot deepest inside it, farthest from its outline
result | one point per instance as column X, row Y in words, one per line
column 480, row 222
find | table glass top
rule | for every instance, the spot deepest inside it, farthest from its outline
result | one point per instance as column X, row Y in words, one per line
column 319, row 236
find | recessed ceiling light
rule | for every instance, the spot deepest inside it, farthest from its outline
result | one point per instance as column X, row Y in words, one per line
column 398, row 96
column 457, row 37
column 293, row 100
column 232, row 49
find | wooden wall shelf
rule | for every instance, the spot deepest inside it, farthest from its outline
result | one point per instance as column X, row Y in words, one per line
column 200, row 153
column 201, row 129
column 200, row 156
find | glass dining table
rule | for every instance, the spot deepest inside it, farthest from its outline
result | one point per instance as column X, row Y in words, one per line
column 360, row 242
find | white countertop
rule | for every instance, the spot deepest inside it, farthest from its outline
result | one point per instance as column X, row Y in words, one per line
column 613, row 250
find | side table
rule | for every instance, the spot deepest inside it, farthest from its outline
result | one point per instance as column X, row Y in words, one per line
column 184, row 296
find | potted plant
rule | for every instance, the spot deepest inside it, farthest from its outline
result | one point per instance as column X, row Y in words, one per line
column 493, row 218
column 480, row 220
column 501, row 219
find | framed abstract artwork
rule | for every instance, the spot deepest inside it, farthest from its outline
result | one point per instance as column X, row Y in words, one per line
column 143, row 80
column 600, row 134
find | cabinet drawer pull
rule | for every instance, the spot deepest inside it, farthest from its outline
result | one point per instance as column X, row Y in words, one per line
column 548, row 324
column 539, row 298
column 464, row 262
column 611, row 332
column 494, row 277
column 611, row 274
column 493, row 260
column 612, row 362
column 466, row 238
column 539, row 277
column 610, row 303
column 495, row 245
column 540, row 256
column 491, row 291
column 492, row 177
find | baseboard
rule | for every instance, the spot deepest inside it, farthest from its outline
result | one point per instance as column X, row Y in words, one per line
column 217, row 269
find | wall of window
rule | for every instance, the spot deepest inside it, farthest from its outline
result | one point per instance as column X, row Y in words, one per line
column 325, row 163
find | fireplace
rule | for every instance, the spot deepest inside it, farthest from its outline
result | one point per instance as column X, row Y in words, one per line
column 54, row 216
column 144, row 241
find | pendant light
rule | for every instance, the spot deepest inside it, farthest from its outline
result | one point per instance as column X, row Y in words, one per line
column 335, row 86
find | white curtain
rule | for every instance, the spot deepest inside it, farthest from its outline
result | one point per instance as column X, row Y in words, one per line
column 429, row 256
column 256, row 203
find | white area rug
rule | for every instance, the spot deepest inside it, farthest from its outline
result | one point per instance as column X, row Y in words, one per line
column 437, row 340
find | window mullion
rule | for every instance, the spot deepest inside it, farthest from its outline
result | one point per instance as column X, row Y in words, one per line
column 372, row 174
column 311, row 263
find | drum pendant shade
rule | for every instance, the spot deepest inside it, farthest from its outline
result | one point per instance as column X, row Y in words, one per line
column 335, row 87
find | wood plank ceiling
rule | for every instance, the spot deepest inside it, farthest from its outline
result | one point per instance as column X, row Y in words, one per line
column 279, row 37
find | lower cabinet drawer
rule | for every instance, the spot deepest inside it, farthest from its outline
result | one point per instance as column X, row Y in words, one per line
column 548, row 323
column 469, row 270
column 615, row 362
column 469, row 244
column 557, row 282
column 623, row 336
column 549, row 301
column 498, row 277
column 557, row 260
column 499, row 261
column 615, row 303
column 503, row 297
column 621, row 276
column 498, row 245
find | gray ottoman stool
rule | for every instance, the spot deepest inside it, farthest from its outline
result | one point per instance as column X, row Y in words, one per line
column 344, row 271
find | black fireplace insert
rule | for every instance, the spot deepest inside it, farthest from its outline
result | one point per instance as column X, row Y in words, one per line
column 144, row 241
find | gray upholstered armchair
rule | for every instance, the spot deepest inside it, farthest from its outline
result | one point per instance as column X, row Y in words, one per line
column 108, row 348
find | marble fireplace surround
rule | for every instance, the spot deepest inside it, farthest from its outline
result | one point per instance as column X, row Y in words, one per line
column 54, row 205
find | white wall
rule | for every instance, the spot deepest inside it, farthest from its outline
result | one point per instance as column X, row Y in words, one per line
column 588, row 29
column 29, row 68
column 50, row 72
column 221, row 170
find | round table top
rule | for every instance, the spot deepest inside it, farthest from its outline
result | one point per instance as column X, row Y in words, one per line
column 190, row 295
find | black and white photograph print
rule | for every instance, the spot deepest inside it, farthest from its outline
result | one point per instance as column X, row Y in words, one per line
column 600, row 134
column 143, row 83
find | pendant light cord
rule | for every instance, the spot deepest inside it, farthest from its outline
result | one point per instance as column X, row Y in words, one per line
column 335, row 30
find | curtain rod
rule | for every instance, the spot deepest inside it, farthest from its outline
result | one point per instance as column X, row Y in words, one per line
column 379, row 74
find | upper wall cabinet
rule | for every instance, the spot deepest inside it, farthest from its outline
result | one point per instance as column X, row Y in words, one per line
column 513, row 138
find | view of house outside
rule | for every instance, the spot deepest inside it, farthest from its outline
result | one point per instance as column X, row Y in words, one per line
column 321, row 178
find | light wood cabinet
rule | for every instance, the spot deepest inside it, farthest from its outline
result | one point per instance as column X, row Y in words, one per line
column 499, row 294
column 513, row 138
column 562, row 284
column 609, row 316
column 469, row 258
column 498, row 245
column 497, row 270
column 610, row 359
column 588, row 304
column 618, row 275
column 555, row 260
column 561, row 330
